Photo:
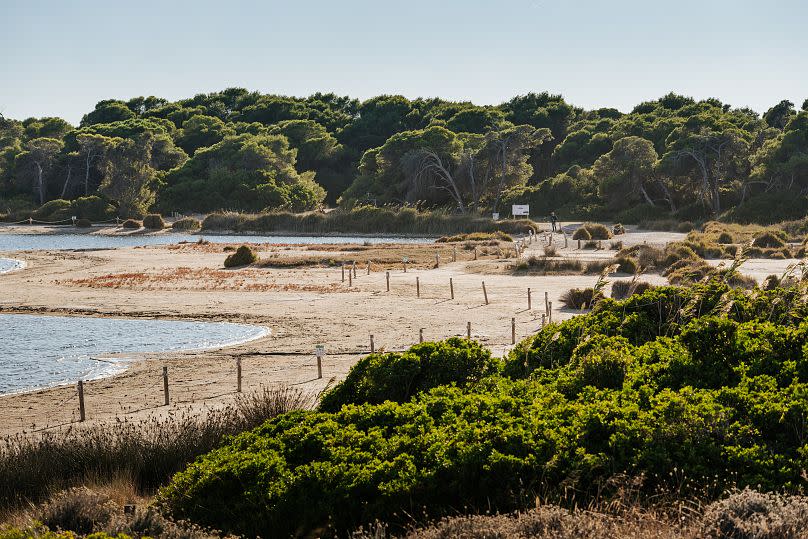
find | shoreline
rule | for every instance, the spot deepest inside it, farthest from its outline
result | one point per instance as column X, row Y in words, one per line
column 123, row 361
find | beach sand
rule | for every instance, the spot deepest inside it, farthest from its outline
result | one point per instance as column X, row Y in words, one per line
column 302, row 306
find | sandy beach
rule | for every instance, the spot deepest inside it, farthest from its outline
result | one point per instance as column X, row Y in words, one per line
column 302, row 306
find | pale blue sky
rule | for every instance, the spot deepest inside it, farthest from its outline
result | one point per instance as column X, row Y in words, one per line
column 58, row 58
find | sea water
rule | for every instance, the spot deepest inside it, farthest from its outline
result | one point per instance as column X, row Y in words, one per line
column 26, row 242
column 40, row 351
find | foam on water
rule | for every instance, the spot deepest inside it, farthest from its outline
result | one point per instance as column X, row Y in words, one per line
column 40, row 351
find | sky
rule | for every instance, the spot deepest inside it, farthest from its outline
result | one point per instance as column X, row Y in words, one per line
column 58, row 58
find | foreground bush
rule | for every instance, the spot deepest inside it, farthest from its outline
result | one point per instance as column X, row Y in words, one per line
column 146, row 452
column 692, row 389
column 579, row 298
column 244, row 256
column 398, row 376
column 154, row 221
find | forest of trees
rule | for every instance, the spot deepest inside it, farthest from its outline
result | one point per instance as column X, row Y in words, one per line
column 246, row 151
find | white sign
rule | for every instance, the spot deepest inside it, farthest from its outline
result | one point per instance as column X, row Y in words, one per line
column 495, row 216
column 520, row 209
column 319, row 350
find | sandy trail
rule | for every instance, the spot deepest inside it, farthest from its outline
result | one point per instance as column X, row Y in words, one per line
column 302, row 307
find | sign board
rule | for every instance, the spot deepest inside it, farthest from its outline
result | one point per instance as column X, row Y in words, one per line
column 495, row 216
column 406, row 259
column 520, row 209
column 319, row 350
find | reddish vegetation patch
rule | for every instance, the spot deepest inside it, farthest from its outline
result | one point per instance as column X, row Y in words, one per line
column 183, row 278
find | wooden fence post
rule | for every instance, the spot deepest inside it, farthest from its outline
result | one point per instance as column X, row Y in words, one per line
column 513, row 330
column 546, row 304
column 454, row 253
column 368, row 267
column 350, row 277
column 343, row 273
column 405, row 266
column 485, row 293
column 238, row 375
column 565, row 240
column 529, row 302
column 543, row 320
column 468, row 330
column 372, row 345
column 437, row 259
column 354, row 268
column 388, row 281
column 418, row 287
column 165, row 385
column 451, row 288
column 579, row 244
column 82, row 415
column 550, row 313
column 421, row 335
column 475, row 253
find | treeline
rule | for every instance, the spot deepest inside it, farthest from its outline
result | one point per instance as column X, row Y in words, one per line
column 246, row 151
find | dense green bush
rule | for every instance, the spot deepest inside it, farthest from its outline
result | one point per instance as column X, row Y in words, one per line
column 154, row 221
column 54, row 211
column 187, row 224
column 579, row 298
column 624, row 289
column 769, row 239
column 597, row 231
column 83, row 223
column 698, row 388
column 132, row 224
column 397, row 376
column 244, row 256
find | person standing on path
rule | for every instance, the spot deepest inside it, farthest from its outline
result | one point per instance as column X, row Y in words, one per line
column 554, row 220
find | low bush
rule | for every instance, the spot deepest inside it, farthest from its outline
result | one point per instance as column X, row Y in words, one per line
column 550, row 250
column 83, row 223
column 475, row 236
column 625, row 264
column 244, row 256
column 131, row 224
column 685, row 226
column 769, row 240
column 548, row 266
column 626, row 288
column 581, row 234
column 724, row 238
column 597, row 231
column 580, row 298
column 398, row 376
column 154, row 221
column 186, row 224
column 54, row 211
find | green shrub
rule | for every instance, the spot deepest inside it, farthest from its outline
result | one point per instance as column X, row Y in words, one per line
column 132, row 224
column 93, row 208
column 581, row 234
column 769, row 239
column 187, row 224
column 398, row 376
column 83, row 223
column 664, row 381
column 244, row 256
column 580, row 298
column 685, row 226
column 54, row 210
column 475, row 236
column 154, row 221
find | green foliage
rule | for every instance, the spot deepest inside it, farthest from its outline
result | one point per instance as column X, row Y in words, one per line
column 244, row 256
column 397, row 377
column 581, row 234
column 83, row 223
column 709, row 382
column 768, row 239
column 154, row 221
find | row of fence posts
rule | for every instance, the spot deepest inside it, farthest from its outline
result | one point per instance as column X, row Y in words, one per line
column 546, row 317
